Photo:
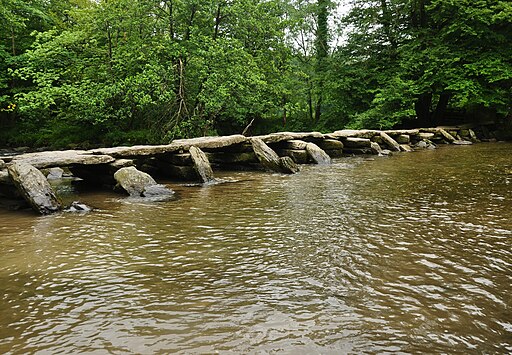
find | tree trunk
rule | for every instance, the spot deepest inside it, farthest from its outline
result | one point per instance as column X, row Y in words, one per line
column 109, row 40
column 284, row 112
column 422, row 107
column 193, row 10
column 217, row 23
column 171, row 20
column 419, row 14
column 13, row 42
column 310, row 100
column 216, row 28
column 386, row 23
column 318, row 107
column 441, row 106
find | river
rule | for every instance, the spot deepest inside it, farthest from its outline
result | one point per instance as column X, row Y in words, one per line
column 406, row 254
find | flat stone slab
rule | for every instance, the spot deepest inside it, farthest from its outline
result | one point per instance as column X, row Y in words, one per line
column 295, row 144
column 399, row 132
column 136, row 150
column 405, row 148
column 447, row 135
column 53, row 159
column 330, row 144
column 210, row 142
column 174, row 146
column 354, row 142
column 287, row 136
column 347, row 133
column 426, row 135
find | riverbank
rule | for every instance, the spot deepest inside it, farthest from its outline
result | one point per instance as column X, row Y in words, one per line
column 135, row 170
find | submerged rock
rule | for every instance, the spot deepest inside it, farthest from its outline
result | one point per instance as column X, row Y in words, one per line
column 462, row 142
column 77, row 206
column 425, row 144
column 139, row 184
column 35, row 189
column 158, row 190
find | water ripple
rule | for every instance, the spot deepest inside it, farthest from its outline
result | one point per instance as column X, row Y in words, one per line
column 409, row 254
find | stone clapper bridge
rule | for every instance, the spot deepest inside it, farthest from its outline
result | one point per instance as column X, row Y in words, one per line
column 130, row 169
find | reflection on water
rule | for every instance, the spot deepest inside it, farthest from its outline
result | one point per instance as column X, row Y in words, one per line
column 411, row 254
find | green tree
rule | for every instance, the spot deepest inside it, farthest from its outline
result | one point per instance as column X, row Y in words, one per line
column 419, row 57
column 309, row 38
column 130, row 71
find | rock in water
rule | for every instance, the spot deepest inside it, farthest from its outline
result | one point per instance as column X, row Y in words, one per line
column 405, row 148
column 317, row 154
column 354, row 142
column 288, row 166
column 462, row 142
column 447, row 136
column 55, row 173
column 403, row 139
column 376, row 149
column 77, row 206
column 390, row 142
column 201, row 164
column 34, row 188
column 158, row 190
column 270, row 160
column 472, row 135
column 139, row 184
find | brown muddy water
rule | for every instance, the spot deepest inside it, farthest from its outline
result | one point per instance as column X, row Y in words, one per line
column 407, row 254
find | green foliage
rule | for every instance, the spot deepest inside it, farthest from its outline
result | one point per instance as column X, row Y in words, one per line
column 134, row 71
column 456, row 52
